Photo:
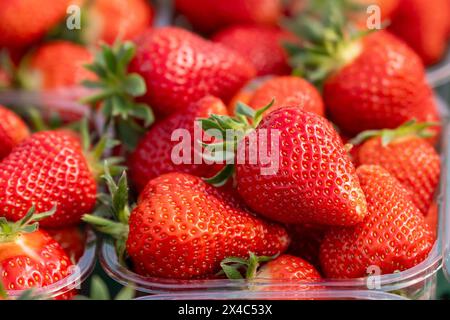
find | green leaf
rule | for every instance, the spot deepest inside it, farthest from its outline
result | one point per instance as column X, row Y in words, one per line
column 134, row 85
column 245, row 110
column 99, row 290
column 222, row 176
column 143, row 112
column 231, row 272
column 127, row 293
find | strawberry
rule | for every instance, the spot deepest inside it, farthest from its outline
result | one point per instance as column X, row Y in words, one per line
column 211, row 15
column 30, row 258
column 12, row 131
column 306, row 240
column 284, row 267
column 309, row 178
column 180, row 67
column 26, row 21
column 369, row 81
column 432, row 218
column 153, row 155
column 288, row 91
column 109, row 20
column 182, row 228
column 260, row 45
column 424, row 26
column 59, row 64
column 393, row 236
column 71, row 239
column 47, row 169
column 406, row 156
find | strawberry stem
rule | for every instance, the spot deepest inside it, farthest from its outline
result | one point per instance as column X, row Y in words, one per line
column 233, row 266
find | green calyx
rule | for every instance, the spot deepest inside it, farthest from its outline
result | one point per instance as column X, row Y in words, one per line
column 228, row 132
column 9, row 231
column 409, row 128
column 112, row 216
column 99, row 291
column 330, row 42
column 238, row 268
column 117, row 90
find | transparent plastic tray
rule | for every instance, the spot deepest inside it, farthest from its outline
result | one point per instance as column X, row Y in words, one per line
column 277, row 295
column 418, row 282
column 79, row 274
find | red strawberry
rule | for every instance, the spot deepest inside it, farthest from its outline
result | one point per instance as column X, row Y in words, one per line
column 393, row 236
column 315, row 181
column 424, row 26
column 288, row 91
column 406, row 156
column 30, row 258
column 432, row 218
column 306, row 240
column 284, row 267
column 369, row 82
column 71, row 239
column 109, row 20
column 59, row 64
column 182, row 228
column 210, row 15
column 153, row 155
column 47, row 169
column 12, row 131
column 180, row 67
column 26, row 21
column 263, row 46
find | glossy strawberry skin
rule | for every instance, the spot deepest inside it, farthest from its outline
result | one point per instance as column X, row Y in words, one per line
column 315, row 181
column 288, row 91
column 424, row 26
column 33, row 260
column 153, row 155
column 263, row 46
column 180, row 67
column 182, row 228
column 59, row 64
column 118, row 19
column 383, row 87
column 45, row 170
column 288, row 267
column 12, row 131
column 210, row 15
column 412, row 161
column 26, row 21
column 394, row 235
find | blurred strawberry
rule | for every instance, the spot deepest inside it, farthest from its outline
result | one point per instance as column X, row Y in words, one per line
column 424, row 26
column 12, row 131
column 211, row 15
column 305, row 242
column 261, row 45
column 24, row 22
column 288, row 91
column 71, row 239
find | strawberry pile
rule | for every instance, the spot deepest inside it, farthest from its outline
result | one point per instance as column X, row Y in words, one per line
column 273, row 140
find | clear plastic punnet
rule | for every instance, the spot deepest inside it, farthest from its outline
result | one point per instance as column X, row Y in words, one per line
column 80, row 272
column 418, row 282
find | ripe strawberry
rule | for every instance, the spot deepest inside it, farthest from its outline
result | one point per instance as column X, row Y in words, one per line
column 153, row 155
column 210, row 15
column 424, row 26
column 71, row 239
column 261, row 45
column 369, row 82
column 393, row 236
column 432, row 218
column 288, row 91
column 47, row 169
column 179, row 68
column 315, row 181
column 306, row 240
column 30, row 258
column 109, row 20
column 12, row 131
column 59, row 64
column 26, row 21
column 284, row 267
column 406, row 156
column 182, row 228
